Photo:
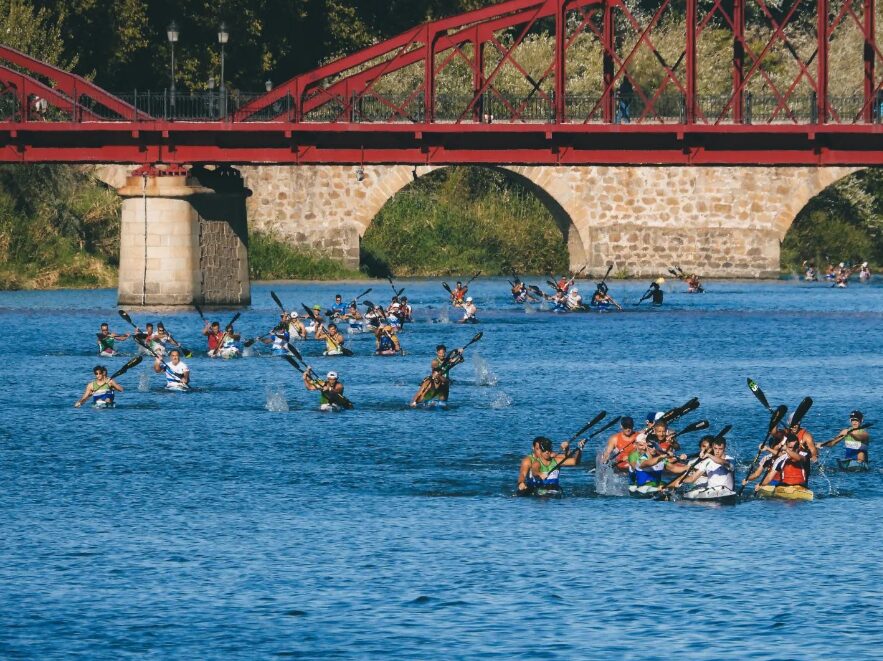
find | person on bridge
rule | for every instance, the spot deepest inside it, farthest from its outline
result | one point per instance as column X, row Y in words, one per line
column 106, row 340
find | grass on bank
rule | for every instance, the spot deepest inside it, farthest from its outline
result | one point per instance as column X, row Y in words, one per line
column 270, row 259
column 461, row 220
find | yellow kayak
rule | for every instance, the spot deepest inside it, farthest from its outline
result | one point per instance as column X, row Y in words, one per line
column 784, row 492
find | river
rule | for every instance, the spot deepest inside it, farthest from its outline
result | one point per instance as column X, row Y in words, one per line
column 238, row 521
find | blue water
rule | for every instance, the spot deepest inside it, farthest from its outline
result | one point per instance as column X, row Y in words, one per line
column 217, row 524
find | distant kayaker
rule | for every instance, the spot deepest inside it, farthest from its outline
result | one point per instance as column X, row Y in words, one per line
column 694, row 284
column 601, row 299
column 101, row 389
column 574, row 300
column 339, row 307
column 619, row 445
column 864, row 274
column 213, row 336
column 330, row 390
column 855, row 441
column 539, row 472
column 106, row 340
column 387, row 341
column 406, row 311
column 519, row 291
column 333, row 339
column 458, row 294
column 654, row 293
column 176, row 371
column 469, row 311
column 296, row 327
column 436, row 386
column 790, row 464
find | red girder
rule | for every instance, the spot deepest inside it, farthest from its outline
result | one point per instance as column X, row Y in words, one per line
column 343, row 112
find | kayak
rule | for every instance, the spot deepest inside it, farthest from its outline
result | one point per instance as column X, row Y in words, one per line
column 330, row 408
column 646, row 491
column 794, row 492
column 177, row 386
column 853, row 465
column 355, row 328
column 103, row 404
column 108, row 353
column 433, row 404
column 540, row 493
column 719, row 495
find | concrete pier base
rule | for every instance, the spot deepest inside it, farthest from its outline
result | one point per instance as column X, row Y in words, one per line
column 183, row 238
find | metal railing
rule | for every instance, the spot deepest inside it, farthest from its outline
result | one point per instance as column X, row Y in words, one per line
column 490, row 108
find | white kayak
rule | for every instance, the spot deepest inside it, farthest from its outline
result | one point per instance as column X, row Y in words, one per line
column 719, row 495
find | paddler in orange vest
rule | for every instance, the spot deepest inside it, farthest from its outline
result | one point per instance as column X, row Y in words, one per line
column 791, row 466
column 619, row 445
column 807, row 442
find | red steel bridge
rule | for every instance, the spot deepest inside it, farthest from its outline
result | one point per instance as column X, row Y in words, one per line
column 525, row 81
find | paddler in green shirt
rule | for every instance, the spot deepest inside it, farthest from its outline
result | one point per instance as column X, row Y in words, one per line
column 106, row 340
column 330, row 391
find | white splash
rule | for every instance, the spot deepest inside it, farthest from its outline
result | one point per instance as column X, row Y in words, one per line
column 501, row 401
column 607, row 481
column 529, row 309
column 484, row 375
column 143, row 382
column 276, row 401
column 247, row 352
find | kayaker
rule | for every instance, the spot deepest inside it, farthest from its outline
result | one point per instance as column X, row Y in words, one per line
column 619, row 445
column 394, row 315
column 406, row 311
column 519, row 291
column 645, row 465
column 716, row 469
column 296, row 327
column 574, row 301
column 333, row 339
column 540, row 470
column 864, row 274
column 101, row 389
column 855, row 441
column 229, row 343
column 339, row 307
column 791, row 466
column 694, row 284
column 164, row 339
column 469, row 310
column 106, row 340
column 280, row 337
column 329, row 390
column 436, row 386
column 458, row 294
column 176, row 371
column 213, row 336
column 386, row 341
column 807, row 442
column 655, row 293
column 601, row 299
column 563, row 284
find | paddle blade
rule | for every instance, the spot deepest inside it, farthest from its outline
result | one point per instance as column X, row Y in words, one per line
column 447, row 287
column 680, row 411
column 293, row 363
column 695, row 426
column 594, row 421
column 248, row 343
column 754, row 388
column 609, row 269
column 294, row 352
column 125, row 316
column 399, row 292
column 607, row 426
column 364, row 293
column 723, row 432
column 234, row 319
column 475, row 338
column 777, row 417
column 125, row 368
column 277, row 301
column 800, row 411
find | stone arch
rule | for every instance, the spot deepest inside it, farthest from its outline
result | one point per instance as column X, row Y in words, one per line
column 804, row 188
column 382, row 183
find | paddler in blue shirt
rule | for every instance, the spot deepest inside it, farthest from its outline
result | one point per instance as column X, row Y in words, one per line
column 101, row 390
column 539, row 472
column 339, row 307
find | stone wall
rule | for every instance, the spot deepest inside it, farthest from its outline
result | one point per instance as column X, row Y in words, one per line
column 718, row 221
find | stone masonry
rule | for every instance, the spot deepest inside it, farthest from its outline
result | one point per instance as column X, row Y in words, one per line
column 717, row 221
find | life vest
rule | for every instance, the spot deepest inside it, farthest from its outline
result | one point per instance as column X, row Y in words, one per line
column 105, row 342
column 550, row 482
column 214, row 340
column 651, row 476
column 102, row 393
column 620, row 445
column 386, row 343
column 791, row 473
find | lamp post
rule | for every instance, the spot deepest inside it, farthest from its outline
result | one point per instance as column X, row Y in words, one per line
column 211, row 96
column 172, row 34
column 223, row 38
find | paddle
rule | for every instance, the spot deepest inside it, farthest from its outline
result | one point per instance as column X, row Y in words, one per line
column 840, row 437
column 606, row 426
column 536, row 290
column 569, row 454
column 447, row 288
column 678, row 411
column 125, row 368
column 278, row 301
column 604, row 279
column 478, row 273
column 450, row 361
column 364, row 293
column 332, row 396
column 342, row 349
column 199, row 312
column 755, row 389
column 699, row 425
column 393, row 285
column 775, row 419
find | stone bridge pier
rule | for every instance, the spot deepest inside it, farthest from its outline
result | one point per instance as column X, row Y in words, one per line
column 717, row 221
column 183, row 236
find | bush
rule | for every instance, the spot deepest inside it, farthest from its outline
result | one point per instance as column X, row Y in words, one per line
column 269, row 259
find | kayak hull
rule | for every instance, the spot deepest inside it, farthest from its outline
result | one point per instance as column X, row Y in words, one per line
column 711, row 496
column 645, row 492
column 853, row 466
column 784, row 492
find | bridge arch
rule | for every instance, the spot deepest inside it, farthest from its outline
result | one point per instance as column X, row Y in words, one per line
column 389, row 181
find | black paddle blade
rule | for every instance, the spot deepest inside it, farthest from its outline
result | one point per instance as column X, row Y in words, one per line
column 399, row 292
column 679, row 411
column 364, row 293
column 606, row 426
column 475, row 338
column 293, row 363
column 594, row 421
column 277, row 301
column 125, row 316
column 234, row 319
column 754, row 388
column 125, row 368
column 248, row 343
column 199, row 311
column 447, row 287
column 723, row 432
column 694, row 426
column 609, row 269
column 777, row 417
column 800, row 411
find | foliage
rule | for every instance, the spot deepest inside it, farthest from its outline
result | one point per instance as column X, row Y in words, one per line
column 461, row 220
column 269, row 259
column 843, row 223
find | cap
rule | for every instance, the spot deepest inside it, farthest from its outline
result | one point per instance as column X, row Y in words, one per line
column 856, row 415
column 317, row 307
column 331, row 375
column 469, row 299
column 659, row 281
column 627, row 423
column 653, row 417
column 864, row 265
column 842, row 264
column 545, row 444
column 292, row 314
column 575, row 290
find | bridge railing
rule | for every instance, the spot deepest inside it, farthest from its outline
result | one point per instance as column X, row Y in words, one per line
column 489, row 108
